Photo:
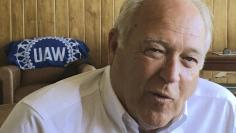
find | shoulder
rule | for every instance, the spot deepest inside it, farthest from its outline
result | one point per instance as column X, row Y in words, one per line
column 210, row 90
column 19, row 122
column 212, row 105
column 54, row 107
column 64, row 94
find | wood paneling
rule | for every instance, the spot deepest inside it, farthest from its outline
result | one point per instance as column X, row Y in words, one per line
column 5, row 22
column 17, row 19
column 62, row 18
column 217, row 79
column 90, row 21
column 231, row 78
column 107, row 23
column 93, row 30
column 220, row 25
column 46, row 11
column 232, row 24
column 5, row 28
column 30, row 18
column 206, row 74
column 77, row 19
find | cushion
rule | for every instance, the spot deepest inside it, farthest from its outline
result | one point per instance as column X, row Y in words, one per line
column 46, row 51
column 42, row 75
column 26, row 90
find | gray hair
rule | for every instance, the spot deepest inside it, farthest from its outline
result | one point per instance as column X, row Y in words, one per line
column 129, row 7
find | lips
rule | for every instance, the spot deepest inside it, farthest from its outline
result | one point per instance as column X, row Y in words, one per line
column 161, row 96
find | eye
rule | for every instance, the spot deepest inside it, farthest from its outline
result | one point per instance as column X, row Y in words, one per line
column 190, row 61
column 154, row 52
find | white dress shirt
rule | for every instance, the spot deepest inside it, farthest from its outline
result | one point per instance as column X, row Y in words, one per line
column 86, row 103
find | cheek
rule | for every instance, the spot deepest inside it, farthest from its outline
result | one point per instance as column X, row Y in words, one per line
column 146, row 67
column 144, row 70
column 188, row 83
column 141, row 70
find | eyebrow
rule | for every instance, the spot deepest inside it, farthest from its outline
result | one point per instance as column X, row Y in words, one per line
column 155, row 41
column 165, row 44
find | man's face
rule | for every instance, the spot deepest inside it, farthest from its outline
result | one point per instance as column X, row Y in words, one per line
column 157, row 69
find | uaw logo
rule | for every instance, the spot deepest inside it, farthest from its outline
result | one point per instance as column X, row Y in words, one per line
column 55, row 51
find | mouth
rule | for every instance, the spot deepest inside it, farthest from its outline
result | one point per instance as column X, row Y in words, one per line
column 160, row 97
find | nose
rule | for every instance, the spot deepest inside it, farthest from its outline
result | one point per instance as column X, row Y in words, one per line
column 170, row 71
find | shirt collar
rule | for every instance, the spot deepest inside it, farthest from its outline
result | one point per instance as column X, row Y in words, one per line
column 111, row 102
column 180, row 120
column 117, row 112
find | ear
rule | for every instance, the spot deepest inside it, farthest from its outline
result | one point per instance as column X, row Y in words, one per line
column 113, row 44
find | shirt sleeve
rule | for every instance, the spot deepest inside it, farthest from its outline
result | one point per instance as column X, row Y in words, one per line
column 24, row 119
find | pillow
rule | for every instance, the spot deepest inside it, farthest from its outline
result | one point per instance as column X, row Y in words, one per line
column 46, row 51
column 42, row 75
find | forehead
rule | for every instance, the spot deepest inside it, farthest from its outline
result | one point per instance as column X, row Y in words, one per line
column 179, row 14
column 183, row 21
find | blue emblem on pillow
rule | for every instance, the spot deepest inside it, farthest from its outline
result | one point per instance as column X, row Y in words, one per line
column 46, row 51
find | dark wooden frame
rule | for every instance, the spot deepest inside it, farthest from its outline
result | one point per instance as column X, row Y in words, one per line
column 220, row 63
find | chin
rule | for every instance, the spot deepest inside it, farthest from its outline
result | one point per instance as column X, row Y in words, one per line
column 151, row 120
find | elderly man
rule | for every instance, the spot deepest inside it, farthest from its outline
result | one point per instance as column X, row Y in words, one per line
column 157, row 50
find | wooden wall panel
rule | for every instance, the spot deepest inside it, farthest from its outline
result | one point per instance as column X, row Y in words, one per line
column 232, row 24
column 17, row 19
column 77, row 19
column 46, row 10
column 5, row 28
column 30, row 18
column 217, row 79
column 90, row 21
column 62, row 18
column 107, row 23
column 206, row 74
column 93, row 30
column 231, row 78
column 220, row 25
